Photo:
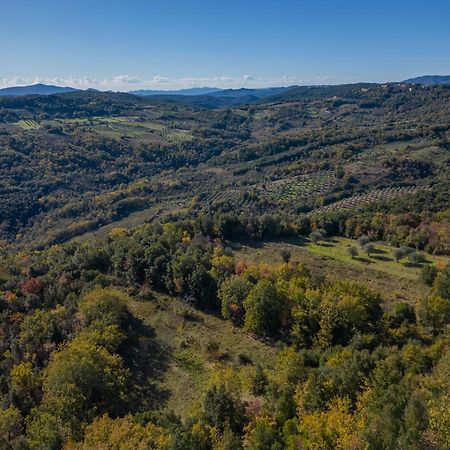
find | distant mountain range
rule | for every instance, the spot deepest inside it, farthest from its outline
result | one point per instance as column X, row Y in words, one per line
column 209, row 96
column 43, row 89
column 190, row 91
column 36, row 89
column 429, row 80
column 244, row 92
column 213, row 92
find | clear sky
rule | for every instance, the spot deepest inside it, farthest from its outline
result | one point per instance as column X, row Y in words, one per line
column 130, row 44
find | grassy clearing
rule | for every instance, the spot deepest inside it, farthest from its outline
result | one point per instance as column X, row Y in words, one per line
column 186, row 333
column 381, row 259
column 395, row 281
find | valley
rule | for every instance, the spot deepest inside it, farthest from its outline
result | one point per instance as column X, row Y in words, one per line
column 311, row 152
column 236, row 270
column 225, row 225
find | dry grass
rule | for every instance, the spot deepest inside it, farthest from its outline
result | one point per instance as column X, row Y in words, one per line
column 186, row 333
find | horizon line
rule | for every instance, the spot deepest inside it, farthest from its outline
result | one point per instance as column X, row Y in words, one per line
column 128, row 83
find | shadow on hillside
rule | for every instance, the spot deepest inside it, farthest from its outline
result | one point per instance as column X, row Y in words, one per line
column 363, row 260
column 382, row 258
column 378, row 251
column 259, row 244
column 297, row 241
column 148, row 361
column 325, row 244
column 251, row 244
column 412, row 264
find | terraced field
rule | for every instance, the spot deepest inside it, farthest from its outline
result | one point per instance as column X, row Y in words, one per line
column 364, row 199
column 132, row 128
column 28, row 124
column 304, row 185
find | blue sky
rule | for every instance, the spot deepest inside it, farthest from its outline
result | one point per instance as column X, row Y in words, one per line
column 119, row 44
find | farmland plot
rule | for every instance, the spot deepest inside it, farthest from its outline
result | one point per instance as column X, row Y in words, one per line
column 367, row 198
column 292, row 188
column 28, row 125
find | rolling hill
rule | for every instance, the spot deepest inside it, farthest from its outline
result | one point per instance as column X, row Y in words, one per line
column 214, row 98
column 429, row 80
column 225, row 272
column 77, row 161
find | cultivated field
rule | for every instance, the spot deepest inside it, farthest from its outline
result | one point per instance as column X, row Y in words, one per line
column 28, row 125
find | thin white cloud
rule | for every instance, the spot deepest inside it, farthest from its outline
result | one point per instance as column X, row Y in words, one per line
column 127, row 79
column 132, row 82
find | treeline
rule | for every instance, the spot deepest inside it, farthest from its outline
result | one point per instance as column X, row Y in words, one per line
column 351, row 374
column 429, row 232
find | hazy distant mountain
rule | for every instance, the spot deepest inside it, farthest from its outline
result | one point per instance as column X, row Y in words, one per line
column 429, row 80
column 223, row 98
column 190, row 91
column 241, row 93
column 215, row 98
column 36, row 89
column 245, row 92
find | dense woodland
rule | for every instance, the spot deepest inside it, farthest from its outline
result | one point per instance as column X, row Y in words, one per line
column 271, row 356
column 349, row 373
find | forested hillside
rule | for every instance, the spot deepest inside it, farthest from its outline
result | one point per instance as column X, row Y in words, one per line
column 95, row 354
column 73, row 162
column 176, row 274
